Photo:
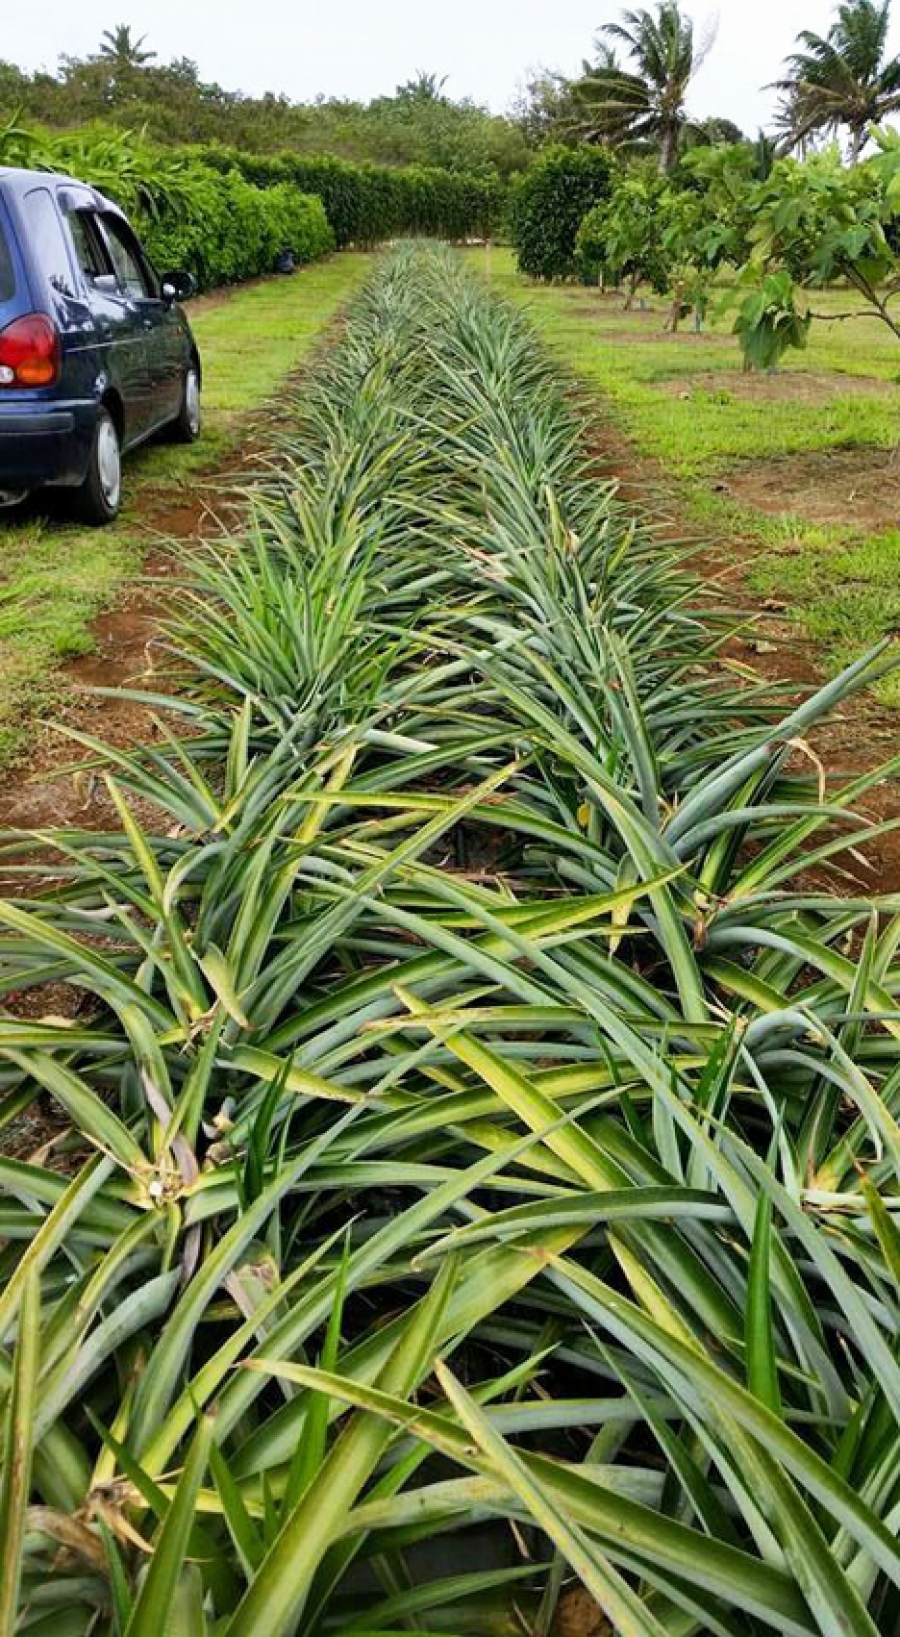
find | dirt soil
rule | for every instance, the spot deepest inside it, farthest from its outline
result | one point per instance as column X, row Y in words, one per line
column 579, row 1616
column 860, row 736
column 644, row 323
column 129, row 649
column 794, row 386
column 834, row 486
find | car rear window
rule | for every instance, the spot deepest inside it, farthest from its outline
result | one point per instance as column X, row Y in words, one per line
column 7, row 272
column 48, row 244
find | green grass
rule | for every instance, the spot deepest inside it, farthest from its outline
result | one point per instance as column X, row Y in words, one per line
column 55, row 579
column 838, row 579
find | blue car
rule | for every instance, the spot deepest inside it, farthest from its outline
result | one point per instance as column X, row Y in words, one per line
column 96, row 355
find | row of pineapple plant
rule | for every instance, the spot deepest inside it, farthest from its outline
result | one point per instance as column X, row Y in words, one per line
column 486, row 1064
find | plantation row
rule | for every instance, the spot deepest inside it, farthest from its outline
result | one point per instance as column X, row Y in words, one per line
column 225, row 215
column 489, row 1122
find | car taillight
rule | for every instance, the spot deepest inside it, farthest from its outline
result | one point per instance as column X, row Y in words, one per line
column 29, row 352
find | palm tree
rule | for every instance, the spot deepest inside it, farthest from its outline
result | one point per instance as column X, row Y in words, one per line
column 646, row 102
column 118, row 47
column 843, row 78
column 424, row 88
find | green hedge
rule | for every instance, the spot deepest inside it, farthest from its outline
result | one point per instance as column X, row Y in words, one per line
column 228, row 230
column 548, row 204
column 224, row 215
column 209, row 219
column 367, row 204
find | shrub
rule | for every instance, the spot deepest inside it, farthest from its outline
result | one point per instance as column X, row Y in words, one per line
column 233, row 230
column 225, row 214
column 213, row 221
column 548, row 204
column 367, row 204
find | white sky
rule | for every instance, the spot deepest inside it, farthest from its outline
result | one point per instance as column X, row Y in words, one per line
column 362, row 48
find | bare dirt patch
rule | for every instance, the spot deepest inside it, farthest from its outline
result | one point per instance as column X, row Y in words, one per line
column 788, row 386
column 641, row 324
column 767, row 647
column 41, row 793
column 833, row 486
column 579, row 1616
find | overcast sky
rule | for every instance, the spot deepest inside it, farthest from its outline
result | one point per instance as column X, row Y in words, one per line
column 361, row 48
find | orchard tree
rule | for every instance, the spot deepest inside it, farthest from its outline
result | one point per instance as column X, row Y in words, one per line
column 649, row 232
column 620, row 238
column 818, row 223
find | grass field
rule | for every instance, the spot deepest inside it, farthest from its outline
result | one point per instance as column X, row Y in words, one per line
column 250, row 339
column 794, row 471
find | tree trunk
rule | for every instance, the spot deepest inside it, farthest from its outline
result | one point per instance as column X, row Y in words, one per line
column 857, row 143
column 668, row 147
column 674, row 318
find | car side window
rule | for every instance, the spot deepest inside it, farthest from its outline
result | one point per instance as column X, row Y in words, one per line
column 7, row 272
column 90, row 251
column 133, row 275
column 48, row 240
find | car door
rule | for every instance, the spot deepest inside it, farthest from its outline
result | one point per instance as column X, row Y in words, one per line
column 159, row 320
column 115, row 320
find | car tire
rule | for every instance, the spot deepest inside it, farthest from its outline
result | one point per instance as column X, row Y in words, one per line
column 98, row 499
column 187, row 424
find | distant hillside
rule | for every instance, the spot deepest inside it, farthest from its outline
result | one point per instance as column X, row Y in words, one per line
column 418, row 124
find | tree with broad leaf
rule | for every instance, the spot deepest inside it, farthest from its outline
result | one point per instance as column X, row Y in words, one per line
column 842, row 80
column 643, row 104
column 815, row 224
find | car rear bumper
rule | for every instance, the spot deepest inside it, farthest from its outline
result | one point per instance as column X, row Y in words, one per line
column 45, row 443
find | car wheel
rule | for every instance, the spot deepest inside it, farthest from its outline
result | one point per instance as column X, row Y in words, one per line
column 186, row 426
column 99, row 497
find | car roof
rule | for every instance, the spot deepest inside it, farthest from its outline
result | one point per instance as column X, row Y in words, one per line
column 15, row 182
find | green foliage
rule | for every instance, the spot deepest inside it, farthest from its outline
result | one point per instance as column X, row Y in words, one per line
column 225, row 214
column 843, row 79
column 367, row 204
column 234, row 230
column 215, row 223
column 548, row 204
column 722, row 181
column 822, row 220
column 621, row 237
column 175, row 104
column 476, row 909
column 768, row 323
